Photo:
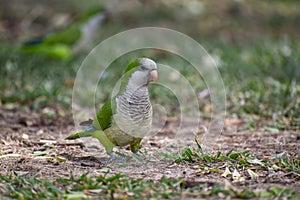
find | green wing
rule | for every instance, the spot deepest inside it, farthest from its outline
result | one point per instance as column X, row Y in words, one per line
column 104, row 116
column 68, row 36
column 101, row 122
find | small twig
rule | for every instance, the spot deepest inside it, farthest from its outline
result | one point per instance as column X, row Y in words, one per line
column 61, row 143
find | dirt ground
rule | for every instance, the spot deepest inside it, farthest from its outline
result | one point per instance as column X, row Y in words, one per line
column 24, row 132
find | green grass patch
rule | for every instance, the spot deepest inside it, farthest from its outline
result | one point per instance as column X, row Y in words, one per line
column 120, row 186
column 238, row 160
column 261, row 78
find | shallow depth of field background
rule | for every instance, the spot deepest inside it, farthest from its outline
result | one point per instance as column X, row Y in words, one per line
column 256, row 45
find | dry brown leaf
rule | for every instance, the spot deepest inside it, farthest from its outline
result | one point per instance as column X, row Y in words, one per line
column 233, row 122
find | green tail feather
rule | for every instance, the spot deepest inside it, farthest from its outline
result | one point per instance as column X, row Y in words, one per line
column 79, row 135
column 99, row 134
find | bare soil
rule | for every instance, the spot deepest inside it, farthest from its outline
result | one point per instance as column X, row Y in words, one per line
column 24, row 132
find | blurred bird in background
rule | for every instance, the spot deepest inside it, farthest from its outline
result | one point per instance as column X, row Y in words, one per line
column 75, row 38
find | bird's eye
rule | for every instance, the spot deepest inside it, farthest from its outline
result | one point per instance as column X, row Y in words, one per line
column 143, row 67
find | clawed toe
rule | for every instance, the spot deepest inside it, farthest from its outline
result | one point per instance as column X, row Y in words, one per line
column 113, row 158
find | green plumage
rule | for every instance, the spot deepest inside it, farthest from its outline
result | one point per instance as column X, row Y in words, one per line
column 104, row 116
column 57, row 51
column 67, row 36
column 119, row 111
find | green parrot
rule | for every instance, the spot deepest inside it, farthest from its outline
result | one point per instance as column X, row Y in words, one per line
column 127, row 118
column 77, row 37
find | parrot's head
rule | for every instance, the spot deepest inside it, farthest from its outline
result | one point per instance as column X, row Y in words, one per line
column 141, row 71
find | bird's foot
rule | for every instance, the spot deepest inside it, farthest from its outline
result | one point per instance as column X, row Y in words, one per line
column 138, row 156
column 113, row 158
column 138, row 153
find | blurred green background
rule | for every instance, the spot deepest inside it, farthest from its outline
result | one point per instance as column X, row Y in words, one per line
column 256, row 44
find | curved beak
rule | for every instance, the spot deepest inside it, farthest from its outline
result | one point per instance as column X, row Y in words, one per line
column 153, row 76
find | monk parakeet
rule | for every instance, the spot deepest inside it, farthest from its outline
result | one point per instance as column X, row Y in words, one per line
column 79, row 36
column 127, row 118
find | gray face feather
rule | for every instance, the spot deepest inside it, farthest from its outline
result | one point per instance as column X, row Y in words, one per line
column 147, row 72
column 148, row 64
